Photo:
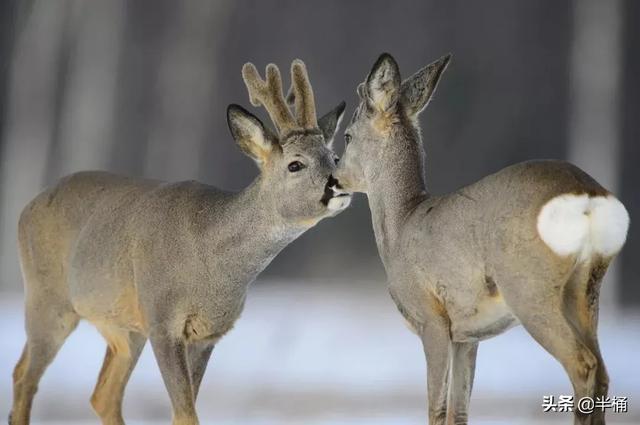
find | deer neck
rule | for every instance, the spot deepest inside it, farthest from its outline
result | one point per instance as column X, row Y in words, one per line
column 252, row 232
column 397, row 188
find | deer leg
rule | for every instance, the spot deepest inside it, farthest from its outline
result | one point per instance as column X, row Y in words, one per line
column 45, row 335
column 581, row 306
column 122, row 354
column 171, row 354
column 539, row 307
column 199, row 354
column 463, row 366
column 436, row 343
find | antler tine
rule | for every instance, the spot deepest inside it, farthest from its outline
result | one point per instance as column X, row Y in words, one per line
column 302, row 95
column 268, row 94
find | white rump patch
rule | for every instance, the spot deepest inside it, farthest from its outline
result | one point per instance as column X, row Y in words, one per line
column 577, row 224
column 563, row 224
column 609, row 225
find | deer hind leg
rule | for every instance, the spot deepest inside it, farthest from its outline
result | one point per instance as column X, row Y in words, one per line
column 463, row 366
column 123, row 351
column 48, row 325
column 581, row 307
column 538, row 304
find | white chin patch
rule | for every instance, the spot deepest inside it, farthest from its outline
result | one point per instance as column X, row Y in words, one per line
column 338, row 203
column 583, row 225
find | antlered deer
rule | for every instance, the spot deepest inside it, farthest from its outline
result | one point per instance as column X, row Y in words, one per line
column 170, row 262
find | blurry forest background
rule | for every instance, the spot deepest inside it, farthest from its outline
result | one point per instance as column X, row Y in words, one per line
column 141, row 87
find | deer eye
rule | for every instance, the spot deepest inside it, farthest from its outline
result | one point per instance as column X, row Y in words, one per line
column 295, row 166
column 347, row 139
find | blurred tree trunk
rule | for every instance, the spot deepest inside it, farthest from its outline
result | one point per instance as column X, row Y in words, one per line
column 180, row 123
column 629, row 292
column 144, row 38
column 8, row 19
column 85, row 130
column 30, row 120
column 594, row 107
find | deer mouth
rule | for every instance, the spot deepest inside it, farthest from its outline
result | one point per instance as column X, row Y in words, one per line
column 334, row 197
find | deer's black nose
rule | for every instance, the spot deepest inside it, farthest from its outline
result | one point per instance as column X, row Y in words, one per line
column 328, row 190
column 333, row 182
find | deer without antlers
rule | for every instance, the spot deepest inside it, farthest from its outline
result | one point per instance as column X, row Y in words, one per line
column 170, row 262
column 527, row 245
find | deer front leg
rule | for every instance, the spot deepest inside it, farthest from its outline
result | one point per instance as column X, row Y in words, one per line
column 171, row 354
column 199, row 354
column 437, row 343
column 463, row 367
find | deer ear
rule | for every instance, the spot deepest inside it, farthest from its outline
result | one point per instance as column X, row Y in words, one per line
column 253, row 138
column 330, row 122
column 383, row 83
column 417, row 90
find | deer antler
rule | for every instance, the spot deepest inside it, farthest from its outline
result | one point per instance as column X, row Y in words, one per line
column 302, row 93
column 269, row 94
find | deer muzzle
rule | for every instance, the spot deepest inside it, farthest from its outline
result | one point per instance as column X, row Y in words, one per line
column 334, row 197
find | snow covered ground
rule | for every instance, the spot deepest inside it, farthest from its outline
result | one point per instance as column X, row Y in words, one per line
column 323, row 353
